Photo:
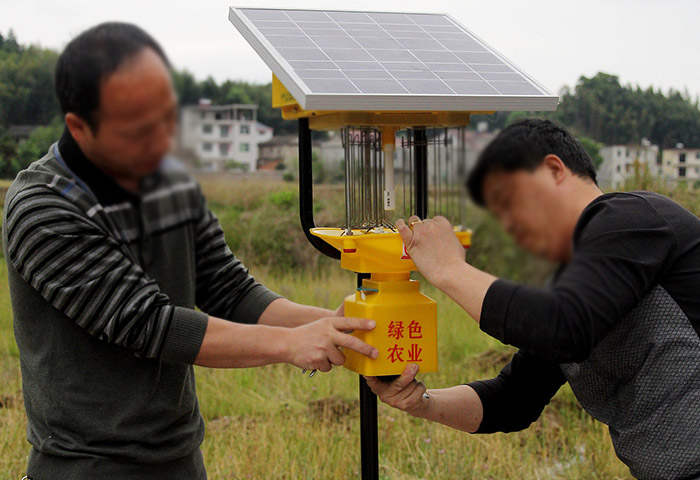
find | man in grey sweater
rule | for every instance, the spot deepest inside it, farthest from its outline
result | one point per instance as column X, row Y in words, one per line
column 109, row 249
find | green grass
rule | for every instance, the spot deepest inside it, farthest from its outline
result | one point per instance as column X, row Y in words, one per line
column 274, row 423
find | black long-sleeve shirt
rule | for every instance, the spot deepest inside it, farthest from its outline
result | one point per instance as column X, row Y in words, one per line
column 635, row 262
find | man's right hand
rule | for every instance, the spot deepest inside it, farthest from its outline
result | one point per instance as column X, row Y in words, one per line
column 315, row 346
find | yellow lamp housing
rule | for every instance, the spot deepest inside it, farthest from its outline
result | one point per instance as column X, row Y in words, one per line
column 406, row 330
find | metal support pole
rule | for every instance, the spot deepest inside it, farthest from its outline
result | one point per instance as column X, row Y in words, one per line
column 306, row 191
column 369, row 443
column 420, row 144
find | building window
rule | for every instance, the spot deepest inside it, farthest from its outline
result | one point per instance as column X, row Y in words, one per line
column 224, row 130
column 244, row 147
column 618, row 169
column 207, row 128
column 245, row 115
column 681, row 171
column 681, row 157
column 206, row 146
column 224, row 148
column 697, row 155
column 619, row 153
column 245, row 129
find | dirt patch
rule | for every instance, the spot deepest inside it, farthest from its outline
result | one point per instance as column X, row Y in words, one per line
column 333, row 409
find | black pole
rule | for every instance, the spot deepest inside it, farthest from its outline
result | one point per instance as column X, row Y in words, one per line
column 420, row 143
column 369, row 443
column 306, row 191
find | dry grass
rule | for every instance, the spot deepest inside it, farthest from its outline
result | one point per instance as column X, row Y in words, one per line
column 274, row 423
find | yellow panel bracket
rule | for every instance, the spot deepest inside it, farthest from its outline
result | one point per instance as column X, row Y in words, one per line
column 329, row 119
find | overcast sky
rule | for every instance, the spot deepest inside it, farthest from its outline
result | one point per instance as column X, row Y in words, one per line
column 645, row 42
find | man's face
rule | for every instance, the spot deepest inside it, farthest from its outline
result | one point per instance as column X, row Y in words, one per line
column 136, row 119
column 528, row 207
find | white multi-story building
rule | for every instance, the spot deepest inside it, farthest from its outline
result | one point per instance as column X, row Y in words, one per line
column 681, row 163
column 223, row 136
column 621, row 162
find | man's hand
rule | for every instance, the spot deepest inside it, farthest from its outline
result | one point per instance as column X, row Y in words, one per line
column 315, row 346
column 404, row 393
column 433, row 246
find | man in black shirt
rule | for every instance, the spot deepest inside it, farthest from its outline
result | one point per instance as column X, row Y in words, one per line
column 620, row 321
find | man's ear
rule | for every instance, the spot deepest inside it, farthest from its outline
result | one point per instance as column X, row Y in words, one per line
column 555, row 166
column 79, row 128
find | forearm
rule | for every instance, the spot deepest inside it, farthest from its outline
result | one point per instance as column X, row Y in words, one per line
column 465, row 285
column 285, row 313
column 233, row 345
column 457, row 407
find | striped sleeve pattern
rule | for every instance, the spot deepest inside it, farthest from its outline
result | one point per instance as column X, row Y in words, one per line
column 225, row 289
column 82, row 271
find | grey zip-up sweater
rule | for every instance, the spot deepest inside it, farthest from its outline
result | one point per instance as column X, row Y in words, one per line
column 104, row 284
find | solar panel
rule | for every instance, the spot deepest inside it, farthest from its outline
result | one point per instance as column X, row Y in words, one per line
column 381, row 61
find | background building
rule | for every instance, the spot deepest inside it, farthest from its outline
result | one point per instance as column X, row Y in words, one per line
column 222, row 137
column 621, row 162
column 681, row 164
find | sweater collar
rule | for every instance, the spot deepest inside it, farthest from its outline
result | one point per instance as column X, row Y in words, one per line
column 107, row 191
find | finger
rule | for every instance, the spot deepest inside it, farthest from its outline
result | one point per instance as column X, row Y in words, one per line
column 404, row 231
column 336, row 357
column 325, row 367
column 353, row 343
column 353, row 323
column 376, row 385
column 413, row 219
column 408, row 375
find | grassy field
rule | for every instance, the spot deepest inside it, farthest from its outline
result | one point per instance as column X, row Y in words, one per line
column 274, row 423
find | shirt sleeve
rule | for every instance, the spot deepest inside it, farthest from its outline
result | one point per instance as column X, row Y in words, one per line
column 225, row 289
column 517, row 396
column 623, row 248
column 86, row 274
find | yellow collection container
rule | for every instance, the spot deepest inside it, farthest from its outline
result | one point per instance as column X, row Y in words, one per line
column 406, row 330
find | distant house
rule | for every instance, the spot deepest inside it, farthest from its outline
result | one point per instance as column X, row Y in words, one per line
column 621, row 162
column 21, row 132
column 280, row 149
column 222, row 137
column 681, row 163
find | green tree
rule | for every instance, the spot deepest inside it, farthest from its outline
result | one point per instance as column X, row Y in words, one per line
column 26, row 84
column 17, row 156
column 593, row 149
column 188, row 90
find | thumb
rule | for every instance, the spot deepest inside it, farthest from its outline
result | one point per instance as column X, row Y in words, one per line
column 405, row 232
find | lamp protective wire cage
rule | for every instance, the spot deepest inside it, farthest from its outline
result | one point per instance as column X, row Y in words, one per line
column 367, row 170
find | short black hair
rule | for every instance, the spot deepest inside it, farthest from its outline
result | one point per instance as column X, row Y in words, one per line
column 523, row 146
column 90, row 58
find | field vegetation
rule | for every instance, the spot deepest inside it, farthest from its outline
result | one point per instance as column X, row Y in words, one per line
column 274, row 423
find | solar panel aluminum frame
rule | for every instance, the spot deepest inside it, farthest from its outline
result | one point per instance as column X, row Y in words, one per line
column 405, row 102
